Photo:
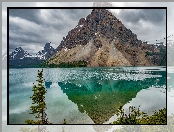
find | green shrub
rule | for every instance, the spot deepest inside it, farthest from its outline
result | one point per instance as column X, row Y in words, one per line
column 149, row 128
column 137, row 117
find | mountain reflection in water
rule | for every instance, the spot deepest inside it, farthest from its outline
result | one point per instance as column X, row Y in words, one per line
column 98, row 98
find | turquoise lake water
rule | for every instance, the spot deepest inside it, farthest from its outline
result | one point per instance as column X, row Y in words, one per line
column 87, row 95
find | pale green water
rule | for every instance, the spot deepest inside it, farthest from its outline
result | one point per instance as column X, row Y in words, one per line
column 87, row 95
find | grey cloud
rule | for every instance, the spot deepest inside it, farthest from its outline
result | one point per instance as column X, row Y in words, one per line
column 24, row 38
column 155, row 15
column 151, row 15
column 75, row 14
column 28, row 14
column 55, row 18
column 65, row 18
column 148, row 24
column 131, row 16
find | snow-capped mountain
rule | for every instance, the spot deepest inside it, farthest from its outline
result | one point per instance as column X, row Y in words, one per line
column 19, row 53
column 47, row 52
column 20, row 57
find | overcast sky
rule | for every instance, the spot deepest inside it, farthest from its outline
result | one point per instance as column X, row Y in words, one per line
column 32, row 28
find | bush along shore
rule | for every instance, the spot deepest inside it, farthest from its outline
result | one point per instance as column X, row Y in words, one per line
column 137, row 117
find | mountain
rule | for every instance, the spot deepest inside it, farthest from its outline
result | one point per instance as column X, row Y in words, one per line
column 19, row 53
column 21, row 58
column 101, row 39
column 47, row 52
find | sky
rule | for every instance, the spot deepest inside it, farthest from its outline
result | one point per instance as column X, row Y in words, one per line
column 31, row 29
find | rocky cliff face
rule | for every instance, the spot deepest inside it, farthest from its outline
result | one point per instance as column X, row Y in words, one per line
column 101, row 39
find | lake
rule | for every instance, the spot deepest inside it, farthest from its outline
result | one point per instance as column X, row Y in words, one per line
column 87, row 95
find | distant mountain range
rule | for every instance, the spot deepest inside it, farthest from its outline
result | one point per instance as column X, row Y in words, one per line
column 19, row 53
column 21, row 58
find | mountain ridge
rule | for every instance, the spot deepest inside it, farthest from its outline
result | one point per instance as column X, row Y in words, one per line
column 20, row 57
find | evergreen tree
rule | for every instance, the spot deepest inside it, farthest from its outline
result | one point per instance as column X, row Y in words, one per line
column 38, row 98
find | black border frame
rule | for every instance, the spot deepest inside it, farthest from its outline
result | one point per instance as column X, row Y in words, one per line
column 8, row 8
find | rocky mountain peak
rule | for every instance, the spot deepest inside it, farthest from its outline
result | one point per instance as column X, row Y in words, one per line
column 47, row 46
column 101, row 39
column 100, row 23
column 19, row 49
column 19, row 53
column 47, row 52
